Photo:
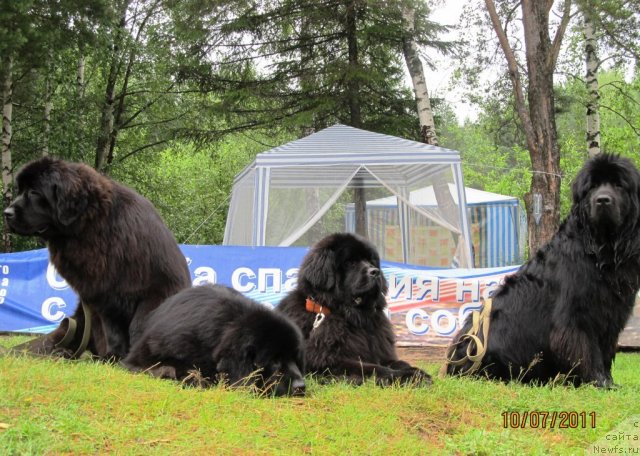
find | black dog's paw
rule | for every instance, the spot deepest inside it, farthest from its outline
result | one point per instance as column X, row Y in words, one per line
column 408, row 376
column 605, row 381
column 385, row 376
column 414, row 376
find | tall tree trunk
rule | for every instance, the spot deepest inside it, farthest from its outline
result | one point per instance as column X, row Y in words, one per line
column 105, row 135
column 537, row 112
column 353, row 77
column 120, row 108
column 593, row 91
column 80, row 75
column 7, row 167
column 46, row 116
column 411, row 54
column 106, row 117
column 307, row 81
column 410, row 50
column 353, row 88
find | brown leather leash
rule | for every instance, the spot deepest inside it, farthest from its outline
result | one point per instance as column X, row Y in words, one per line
column 72, row 329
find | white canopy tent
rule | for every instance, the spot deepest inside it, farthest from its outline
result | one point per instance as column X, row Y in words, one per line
column 297, row 193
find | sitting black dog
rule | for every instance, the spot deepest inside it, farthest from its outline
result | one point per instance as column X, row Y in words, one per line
column 561, row 314
column 339, row 304
column 219, row 332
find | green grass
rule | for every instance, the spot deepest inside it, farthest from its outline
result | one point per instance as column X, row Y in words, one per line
column 79, row 407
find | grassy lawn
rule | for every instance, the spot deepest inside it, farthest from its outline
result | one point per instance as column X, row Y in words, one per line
column 62, row 407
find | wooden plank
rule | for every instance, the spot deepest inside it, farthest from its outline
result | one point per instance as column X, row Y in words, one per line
column 630, row 337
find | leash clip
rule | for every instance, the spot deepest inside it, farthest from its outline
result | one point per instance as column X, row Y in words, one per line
column 319, row 319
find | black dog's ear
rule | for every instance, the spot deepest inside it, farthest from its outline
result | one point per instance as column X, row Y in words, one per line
column 580, row 187
column 70, row 205
column 238, row 363
column 319, row 268
column 71, row 202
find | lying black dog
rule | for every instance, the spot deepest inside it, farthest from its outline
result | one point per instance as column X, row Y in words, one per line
column 219, row 332
column 562, row 312
column 339, row 304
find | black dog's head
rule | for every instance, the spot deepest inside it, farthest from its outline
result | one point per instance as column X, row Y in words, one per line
column 343, row 269
column 606, row 194
column 51, row 196
column 265, row 351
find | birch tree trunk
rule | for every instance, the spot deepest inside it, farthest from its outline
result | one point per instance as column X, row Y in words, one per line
column 7, row 168
column 80, row 76
column 411, row 54
column 593, row 91
column 106, row 117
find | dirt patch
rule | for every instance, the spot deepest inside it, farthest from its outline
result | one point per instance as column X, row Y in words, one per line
column 426, row 354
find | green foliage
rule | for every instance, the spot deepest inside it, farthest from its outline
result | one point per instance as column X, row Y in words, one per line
column 177, row 78
column 308, row 79
column 192, row 77
column 493, row 150
column 492, row 159
column 619, row 114
column 618, row 23
column 190, row 184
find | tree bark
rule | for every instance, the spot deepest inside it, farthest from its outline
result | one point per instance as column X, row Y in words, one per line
column 410, row 50
column 593, row 91
column 353, row 79
column 120, row 108
column 7, row 167
column 106, row 118
column 105, row 135
column 312, row 195
column 46, row 115
column 411, row 54
column 80, row 75
column 353, row 87
column 537, row 113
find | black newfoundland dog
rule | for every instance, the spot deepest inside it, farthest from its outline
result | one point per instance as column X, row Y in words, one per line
column 216, row 331
column 339, row 304
column 108, row 243
column 561, row 314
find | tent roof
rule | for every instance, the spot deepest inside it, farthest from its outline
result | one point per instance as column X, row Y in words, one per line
column 344, row 145
column 425, row 197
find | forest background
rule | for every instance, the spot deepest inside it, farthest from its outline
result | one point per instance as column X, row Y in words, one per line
column 174, row 97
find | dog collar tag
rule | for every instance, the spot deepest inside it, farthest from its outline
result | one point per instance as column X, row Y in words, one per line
column 319, row 319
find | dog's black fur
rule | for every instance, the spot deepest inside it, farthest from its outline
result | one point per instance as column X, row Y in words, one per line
column 217, row 331
column 562, row 312
column 108, row 243
column 356, row 340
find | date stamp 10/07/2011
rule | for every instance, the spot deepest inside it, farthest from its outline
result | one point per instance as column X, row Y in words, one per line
column 535, row 419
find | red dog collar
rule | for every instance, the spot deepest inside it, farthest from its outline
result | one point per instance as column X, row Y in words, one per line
column 314, row 307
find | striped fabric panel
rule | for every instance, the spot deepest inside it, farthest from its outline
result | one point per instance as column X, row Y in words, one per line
column 494, row 231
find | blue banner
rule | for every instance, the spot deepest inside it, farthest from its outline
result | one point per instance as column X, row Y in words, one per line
column 426, row 305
